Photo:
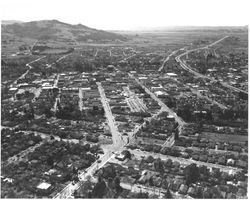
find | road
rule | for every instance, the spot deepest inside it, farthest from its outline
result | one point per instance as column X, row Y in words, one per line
column 132, row 135
column 165, row 108
column 56, row 81
column 152, row 190
column 47, row 136
column 184, row 65
column 68, row 191
column 222, row 152
column 164, row 62
column 183, row 161
column 209, row 99
column 116, row 136
column 24, row 74
column 96, row 52
column 110, row 52
column 141, row 188
column 117, row 146
column 80, row 99
column 22, row 155
column 127, row 58
column 59, row 59
column 181, row 123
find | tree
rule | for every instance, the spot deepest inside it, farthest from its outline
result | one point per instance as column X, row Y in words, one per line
column 176, row 135
column 192, row 173
column 50, row 161
column 99, row 189
column 127, row 154
column 158, row 165
column 78, row 66
column 168, row 194
column 141, row 195
column 117, row 186
column 48, row 112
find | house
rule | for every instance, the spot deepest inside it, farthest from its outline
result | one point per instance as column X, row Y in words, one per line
column 230, row 162
column 203, row 158
column 210, row 159
column 195, row 157
column 176, row 164
column 241, row 164
column 222, row 160
column 121, row 157
column 241, row 192
column 192, row 191
column 230, row 195
column 176, row 185
column 183, row 189
column 168, row 163
column 44, row 188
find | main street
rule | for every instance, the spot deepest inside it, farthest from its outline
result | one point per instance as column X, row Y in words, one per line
column 186, row 67
column 116, row 136
column 68, row 191
column 118, row 145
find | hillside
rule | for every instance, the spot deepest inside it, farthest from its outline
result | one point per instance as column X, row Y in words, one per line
column 6, row 22
column 58, row 31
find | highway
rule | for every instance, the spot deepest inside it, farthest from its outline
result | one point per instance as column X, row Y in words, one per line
column 184, row 65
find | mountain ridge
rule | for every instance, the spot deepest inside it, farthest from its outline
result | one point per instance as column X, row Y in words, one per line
column 59, row 31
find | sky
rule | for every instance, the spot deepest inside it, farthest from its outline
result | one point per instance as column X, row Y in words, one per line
column 130, row 14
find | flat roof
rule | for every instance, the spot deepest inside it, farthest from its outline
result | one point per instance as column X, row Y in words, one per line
column 13, row 89
column 88, row 88
column 171, row 74
column 43, row 186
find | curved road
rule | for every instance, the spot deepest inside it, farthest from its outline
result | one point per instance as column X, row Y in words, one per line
column 184, row 65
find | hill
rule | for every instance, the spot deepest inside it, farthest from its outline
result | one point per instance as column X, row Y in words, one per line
column 58, row 31
column 5, row 22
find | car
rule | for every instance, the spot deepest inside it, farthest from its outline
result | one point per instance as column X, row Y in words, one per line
column 99, row 161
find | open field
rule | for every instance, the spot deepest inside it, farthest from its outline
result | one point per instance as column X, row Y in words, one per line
column 224, row 137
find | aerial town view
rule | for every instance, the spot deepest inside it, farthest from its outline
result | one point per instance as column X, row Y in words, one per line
column 88, row 112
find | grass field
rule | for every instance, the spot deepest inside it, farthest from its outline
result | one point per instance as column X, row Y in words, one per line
column 224, row 137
